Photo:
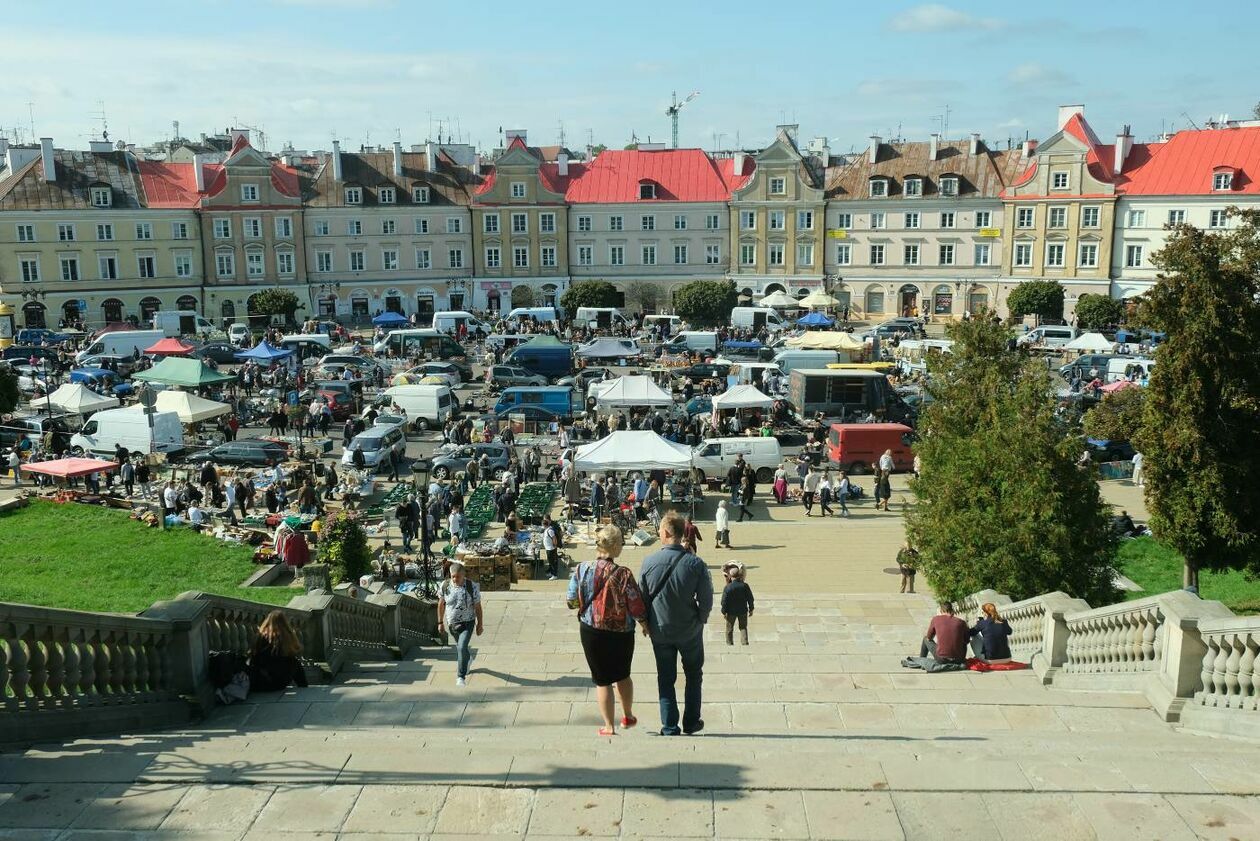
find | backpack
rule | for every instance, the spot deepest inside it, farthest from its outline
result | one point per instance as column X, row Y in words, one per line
column 608, row 604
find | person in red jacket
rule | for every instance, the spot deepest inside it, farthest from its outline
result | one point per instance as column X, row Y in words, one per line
column 946, row 637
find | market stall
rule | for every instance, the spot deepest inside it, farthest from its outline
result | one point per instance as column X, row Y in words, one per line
column 815, row 319
column 779, row 300
column 168, row 347
column 630, row 392
column 747, row 402
column 818, row 299
column 263, row 353
column 74, row 399
column 188, row 373
column 609, row 347
column 828, row 340
column 1091, row 343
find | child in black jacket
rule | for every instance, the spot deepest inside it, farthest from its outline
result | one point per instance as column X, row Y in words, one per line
column 737, row 602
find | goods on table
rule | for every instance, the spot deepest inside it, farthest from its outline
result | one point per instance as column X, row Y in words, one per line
column 478, row 510
column 536, row 499
column 491, row 572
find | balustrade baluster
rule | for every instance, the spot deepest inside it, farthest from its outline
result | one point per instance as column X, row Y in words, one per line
column 157, row 672
column 56, row 665
column 5, row 674
column 106, row 662
column 73, row 664
column 141, row 642
column 1253, row 651
column 87, row 668
column 1232, row 689
column 37, row 665
column 19, row 675
column 1218, row 670
column 127, row 674
column 1206, row 669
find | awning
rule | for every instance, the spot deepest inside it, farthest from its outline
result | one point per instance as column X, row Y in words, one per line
column 742, row 397
column 70, row 468
column 264, row 352
column 168, row 347
column 780, row 300
column 1086, row 342
column 825, row 340
column 818, row 298
column 390, row 319
column 76, row 399
column 609, row 347
column 633, row 391
column 815, row 319
column 633, row 450
column 189, row 407
column 189, row 373
column 1118, row 385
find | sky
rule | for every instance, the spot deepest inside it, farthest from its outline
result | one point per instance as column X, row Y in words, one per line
column 373, row 71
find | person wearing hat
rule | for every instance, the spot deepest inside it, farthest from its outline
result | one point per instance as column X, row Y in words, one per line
column 737, row 602
column 459, row 613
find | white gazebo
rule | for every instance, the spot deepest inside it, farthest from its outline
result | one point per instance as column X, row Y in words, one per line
column 189, row 407
column 632, row 450
column 742, row 397
column 818, row 299
column 779, row 300
column 1091, row 342
column 75, row 399
column 625, row 392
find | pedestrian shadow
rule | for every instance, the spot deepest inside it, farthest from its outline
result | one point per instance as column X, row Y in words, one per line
column 566, row 681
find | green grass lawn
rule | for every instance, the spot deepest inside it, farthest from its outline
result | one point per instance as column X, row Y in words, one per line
column 84, row 557
column 1157, row 568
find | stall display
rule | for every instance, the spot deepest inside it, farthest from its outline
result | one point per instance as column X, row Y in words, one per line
column 493, row 573
column 478, row 510
column 536, row 499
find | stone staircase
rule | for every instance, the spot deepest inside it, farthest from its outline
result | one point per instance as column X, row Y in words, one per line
column 813, row 731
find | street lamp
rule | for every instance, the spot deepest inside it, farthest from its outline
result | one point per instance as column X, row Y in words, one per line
column 420, row 469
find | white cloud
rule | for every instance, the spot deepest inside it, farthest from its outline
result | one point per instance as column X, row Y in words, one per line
column 935, row 17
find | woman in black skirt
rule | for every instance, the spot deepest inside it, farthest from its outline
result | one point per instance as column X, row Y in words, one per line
column 608, row 603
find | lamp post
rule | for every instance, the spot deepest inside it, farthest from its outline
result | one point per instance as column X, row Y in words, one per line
column 420, row 469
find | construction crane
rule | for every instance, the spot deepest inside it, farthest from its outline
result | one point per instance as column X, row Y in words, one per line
column 675, row 107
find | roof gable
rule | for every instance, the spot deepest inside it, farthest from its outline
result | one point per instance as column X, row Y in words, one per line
column 1185, row 164
column 679, row 175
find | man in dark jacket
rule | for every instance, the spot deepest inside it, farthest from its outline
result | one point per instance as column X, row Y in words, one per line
column 735, row 478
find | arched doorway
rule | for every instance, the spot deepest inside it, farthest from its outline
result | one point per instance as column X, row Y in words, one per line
column 942, row 300
column 425, row 307
column 228, row 311
column 186, row 302
column 148, row 306
column 35, row 314
column 359, row 306
column 493, row 302
column 112, row 310
column 393, row 301
column 71, row 312
column 801, row 293
column 746, row 293
column 772, row 288
column 549, row 295
column 522, row 296
column 908, row 300
column 874, row 300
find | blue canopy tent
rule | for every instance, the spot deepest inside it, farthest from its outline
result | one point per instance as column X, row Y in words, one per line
column 390, row 318
column 816, row 319
column 264, row 352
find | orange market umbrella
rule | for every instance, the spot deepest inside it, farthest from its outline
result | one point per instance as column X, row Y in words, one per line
column 168, row 347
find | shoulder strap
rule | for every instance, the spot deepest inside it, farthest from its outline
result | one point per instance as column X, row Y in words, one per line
column 660, row 584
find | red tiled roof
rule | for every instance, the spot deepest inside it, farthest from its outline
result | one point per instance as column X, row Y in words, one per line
column 687, row 175
column 174, row 185
column 1185, row 163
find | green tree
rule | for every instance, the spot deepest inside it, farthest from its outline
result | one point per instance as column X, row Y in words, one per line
column 1202, row 415
column 1118, row 417
column 522, row 296
column 1099, row 312
column 1042, row 298
column 705, row 303
column 589, row 293
column 642, row 296
column 1000, row 501
column 274, row 302
column 9, row 394
column 343, row 546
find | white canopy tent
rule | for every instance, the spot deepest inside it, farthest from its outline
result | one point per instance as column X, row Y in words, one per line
column 632, row 391
column 1087, row 342
column 189, row 407
column 779, row 300
column 633, row 450
column 742, row 397
column 75, row 399
column 818, row 298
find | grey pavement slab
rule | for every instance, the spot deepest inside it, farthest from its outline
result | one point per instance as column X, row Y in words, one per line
column 217, row 807
column 479, row 811
column 1133, row 816
column 382, row 809
column 306, row 808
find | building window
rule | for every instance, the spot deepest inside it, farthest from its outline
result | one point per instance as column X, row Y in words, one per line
column 878, row 222
column 879, row 187
column 1058, row 180
column 254, row 264
column 949, row 186
column 321, row 227
column 946, row 254
column 26, row 233
column 1133, row 256
column 354, row 195
column 102, row 197
column 249, row 192
column 385, row 195
column 747, row 254
column 146, row 266
column 616, row 255
column 804, row 254
column 357, row 261
column 1223, row 181
column 947, row 219
column 323, row 261
column 874, row 301
column 518, row 189
column 225, row 264
column 586, row 255
column 1176, row 217
column 421, row 226
column 912, row 220
column 547, row 223
column 455, row 258
column 778, row 186
column 914, row 187
column 1217, row 218
column 354, row 227
column 983, row 218
column 981, row 254
column 107, row 267
column 778, row 220
column 388, row 227
column 804, row 220
column 649, row 255
column 284, row 262
column 420, row 195
column 222, row 229
column 547, row 256
column 615, row 223
column 179, row 230
column 454, row 225
column 284, row 227
column 844, row 254
column 520, row 258
column 69, row 268
column 183, row 265
column 65, row 233
column 911, row 253
column 584, row 224
column 1025, row 217
column 1137, row 218
column 1023, row 254
column 712, row 255
column 774, row 254
column 1090, row 216
column 647, row 191
column 493, row 258
column 877, row 255
column 1055, row 255
column 424, row 258
column 680, row 222
column 1087, row 256
column 844, row 221
column 942, row 300
column 748, row 220
column 680, row 255
column 490, row 223
column 389, row 260
column 712, row 221
column 647, row 223
column 253, row 228
column 520, row 223
column 1058, row 217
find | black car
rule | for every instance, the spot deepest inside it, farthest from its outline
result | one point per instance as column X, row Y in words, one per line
column 221, row 352
column 23, row 352
column 251, row 452
column 706, row 371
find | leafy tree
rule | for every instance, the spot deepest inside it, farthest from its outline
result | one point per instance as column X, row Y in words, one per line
column 522, row 296
column 9, row 394
column 1000, row 501
column 642, row 296
column 1099, row 312
column 1255, row 110
column 343, row 546
column 1042, row 298
column 1118, row 417
column 589, row 293
column 1201, row 420
column 706, row 302
column 274, row 302
column 597, row 148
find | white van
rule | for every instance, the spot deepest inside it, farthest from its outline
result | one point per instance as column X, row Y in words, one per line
column 238, row 332
column 1048, row 335
column 448, row 320
column 791, row 360
column 715, row 456
column 541, row 314
column 376, row 443
column 601, row 317
column 129, row 427
column 1124, row 367
column 754, row 317
column 690, row 340
column 427, row 406
column 120, row 343
column 668, row 324
column 175, row 323
column 749, row 373
column 306, row 345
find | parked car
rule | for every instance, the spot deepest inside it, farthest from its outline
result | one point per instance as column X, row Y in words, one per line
column 39, row 336
column 388, row 419
column 705, row 371
column 582, row 379
column 1101, row 450
column 446, row 465
column 506, row 376
column 123, row 365
column 238, row 333
column 24, row 352
column 223, row 353
column 376, row 444
column 31, row 428
column 338, row 362
column 245, row 452
column 448, row 373
column 340, row 404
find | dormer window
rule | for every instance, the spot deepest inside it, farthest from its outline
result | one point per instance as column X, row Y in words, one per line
column 778, row 186
column 249, row 192
column 102, row 197
column 354, row 195
column 949, row 185
column 1059, row 180
column 647, row 190
column 385, row 195
column 1223, row 181
column 914, row 186
column 879, row 187
column 518, row 189
column 420, row 195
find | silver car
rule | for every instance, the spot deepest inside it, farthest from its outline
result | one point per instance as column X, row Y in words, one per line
column 446, row 465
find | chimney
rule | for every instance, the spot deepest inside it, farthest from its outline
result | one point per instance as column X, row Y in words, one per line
column 336, row 160
column 100, row 147
column 1124, row 145
column 873, row 151
column 975, row 143
column 397, row 159
column 590, row 153
column 237, row 133
column 934, row 145
column 198, row 172
column 431, row 156
column 1066, row 112
column 4, row 145
column 562, row 164
column 47, row 158
column 737, row 168
column 1027, row 149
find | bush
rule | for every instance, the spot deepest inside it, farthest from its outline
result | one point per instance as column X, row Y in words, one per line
column 589, row 293
column 1042, row 298
column 274, row 302
column 706, row 303
column 1099, row 312
column 1118, row 417
column 343, row 546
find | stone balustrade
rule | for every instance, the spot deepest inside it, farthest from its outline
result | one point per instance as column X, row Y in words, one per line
column 1229, row 677
column 1125, row 637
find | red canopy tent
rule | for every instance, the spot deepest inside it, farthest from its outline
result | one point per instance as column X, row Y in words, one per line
column 70, row 468
column 168, row 347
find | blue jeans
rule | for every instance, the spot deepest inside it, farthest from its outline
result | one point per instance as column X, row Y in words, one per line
column 667, row 654
column 463, row 641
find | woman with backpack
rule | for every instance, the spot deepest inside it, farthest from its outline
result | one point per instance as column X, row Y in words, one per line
column 609, row 603
column 459, row 613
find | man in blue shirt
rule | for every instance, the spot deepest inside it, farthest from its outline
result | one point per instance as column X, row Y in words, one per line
column 678, row 591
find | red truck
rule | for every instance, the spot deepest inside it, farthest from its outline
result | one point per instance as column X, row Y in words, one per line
column 856, row 447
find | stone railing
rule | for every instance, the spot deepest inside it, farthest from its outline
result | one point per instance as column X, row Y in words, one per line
column 1125, row 637
column 1229, row 677
column 67, row 673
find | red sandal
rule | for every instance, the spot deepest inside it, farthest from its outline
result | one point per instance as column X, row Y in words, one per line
column 604, row 731
column 628, row 721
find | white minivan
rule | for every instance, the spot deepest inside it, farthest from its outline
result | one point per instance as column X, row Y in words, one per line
column 715, row 456
column 689, row 340
column 427, row 406
column 130, row 428
column 1136, row 368
column 1048, row 335
column 448, row 320
column 600, row 317
column 668, row 324
column 541, row 314
column 754, row 317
